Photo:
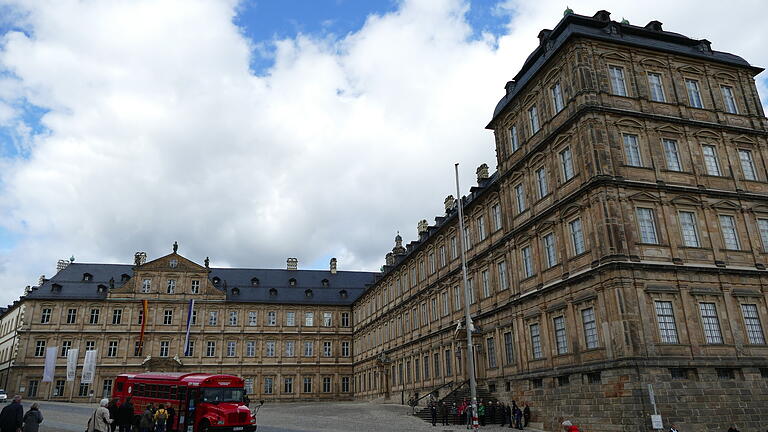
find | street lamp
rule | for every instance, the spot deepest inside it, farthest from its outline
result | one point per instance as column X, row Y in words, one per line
column 467, row 318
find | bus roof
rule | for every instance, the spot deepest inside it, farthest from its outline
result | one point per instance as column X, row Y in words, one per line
column 187, row 378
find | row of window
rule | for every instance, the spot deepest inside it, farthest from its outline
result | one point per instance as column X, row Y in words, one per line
column 634, row 157
column 658, row 94
column 665, row 318
column 689, row 229
column 289, row 348
column 306, row 385
column 213, row 317
column 542, row 180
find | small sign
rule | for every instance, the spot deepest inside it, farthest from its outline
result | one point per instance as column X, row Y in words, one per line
column 651, row 395
column 656, row 422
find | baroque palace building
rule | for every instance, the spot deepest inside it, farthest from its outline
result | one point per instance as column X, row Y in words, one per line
column 621, row 242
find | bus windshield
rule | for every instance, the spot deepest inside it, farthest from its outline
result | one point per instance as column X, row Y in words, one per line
column 216, row 395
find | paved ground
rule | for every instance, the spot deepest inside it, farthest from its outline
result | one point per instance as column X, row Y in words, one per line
column 280, row 417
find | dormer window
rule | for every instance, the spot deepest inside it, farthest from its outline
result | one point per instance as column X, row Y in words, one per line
column 216, row 280
column 292, row 282
column 87, row 277
column 325, row 282
column 343, row 294
column 272, row 292
column 255, row 282
column 102, row 288
column 124, row 277
column 56, row 287
column 235, row 291
column 308, row 293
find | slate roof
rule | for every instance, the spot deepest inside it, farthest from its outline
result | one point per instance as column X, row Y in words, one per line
column 72, row 285
column 599, row 27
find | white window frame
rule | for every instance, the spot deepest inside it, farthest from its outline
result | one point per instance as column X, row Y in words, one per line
column 730, row 232
column 752, row 324
column 729, row 99
column 541, row 182
column 646, row 225
column 711, row 160
column 689, row 229
column 590, row 328
column 561, row 338
column 665, row 317
column 535, row 332
column 520, row 198
column 710, row 323
column 618, row 82
column 527, row 261
column 577, row 236
column 694, row 93
column 550, row 252
column 496, row 217
column 632, row 151
column 501, row 269
column 656, row 89
column 514, row 139
column 672, row 155
column 557, row 97
column 533, row 119
column 747, row 164
column 566, row 163
column 762, row 225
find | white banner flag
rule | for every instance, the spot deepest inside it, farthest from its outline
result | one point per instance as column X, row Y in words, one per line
column 50, row 364
column 89, row 367
column 71, row 364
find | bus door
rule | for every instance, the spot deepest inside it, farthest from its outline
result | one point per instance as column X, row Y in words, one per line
column 187, row 404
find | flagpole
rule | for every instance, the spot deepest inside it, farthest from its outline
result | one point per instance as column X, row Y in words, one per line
column 467, row 319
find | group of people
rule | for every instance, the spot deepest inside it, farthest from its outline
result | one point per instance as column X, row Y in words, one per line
column 13, row 418
column 110, row 415
column 488, row 412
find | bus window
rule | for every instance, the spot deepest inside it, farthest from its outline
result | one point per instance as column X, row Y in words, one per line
column 172, row 392
column 182, row 393
column 216, row 395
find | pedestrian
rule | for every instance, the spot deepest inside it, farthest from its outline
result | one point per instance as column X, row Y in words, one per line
column 125, row 415
column 481, row 413
column 569, row 427
column 526, row 415
column 160, row 418
column 433, row 413
column 32, row 419
column 100, row 420
column 171, row 417
column 113, row 414
column 12, row 416
column 492, row 412
column 468, row 414
column 444, row 413
column 504, row 414
column 462, row 408
column 146, row 420
column 511, row 414
column 519, row 418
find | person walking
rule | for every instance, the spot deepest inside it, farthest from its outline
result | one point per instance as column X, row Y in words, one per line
column 146, row 420
column 468, row 414
column 113, row 414
column 433, row 413
column 160, row 418
column 125, row 415
column 12, row 416
column 511, row 414
column 503, row 413
column 481, row 413
column 526, row 415
column 100, row 420
column 455, row 413
column 32, row 419
column 444, row 413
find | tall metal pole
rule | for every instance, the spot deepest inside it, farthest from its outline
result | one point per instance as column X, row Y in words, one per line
column 467, row 318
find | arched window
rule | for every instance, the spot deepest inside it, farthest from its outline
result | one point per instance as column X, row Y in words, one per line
column 254, row 281
column 102, row 288
column 56, row 287
column 308, row 293
column 87, row 277
column 216, row 280
column 235, row 291
column 272, row 292
column 292, row 282
column 343, row 294
column 325, row 282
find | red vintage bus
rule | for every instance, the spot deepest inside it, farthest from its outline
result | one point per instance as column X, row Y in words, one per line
column 198, row 402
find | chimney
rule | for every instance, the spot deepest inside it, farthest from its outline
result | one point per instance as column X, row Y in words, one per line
column 482, row 173
column 450, row 203
column 292, row 264
column 139, row 258
column 333, row 265
column 61, row 265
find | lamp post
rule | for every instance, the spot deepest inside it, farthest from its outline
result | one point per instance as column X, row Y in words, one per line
column 467, row 319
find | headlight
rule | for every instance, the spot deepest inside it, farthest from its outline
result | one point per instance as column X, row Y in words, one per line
column 220, row 422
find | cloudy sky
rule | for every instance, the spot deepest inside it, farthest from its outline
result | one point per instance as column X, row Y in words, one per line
column 257, row 130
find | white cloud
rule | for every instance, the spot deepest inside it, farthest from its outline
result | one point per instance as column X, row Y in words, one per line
column 159, row 131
